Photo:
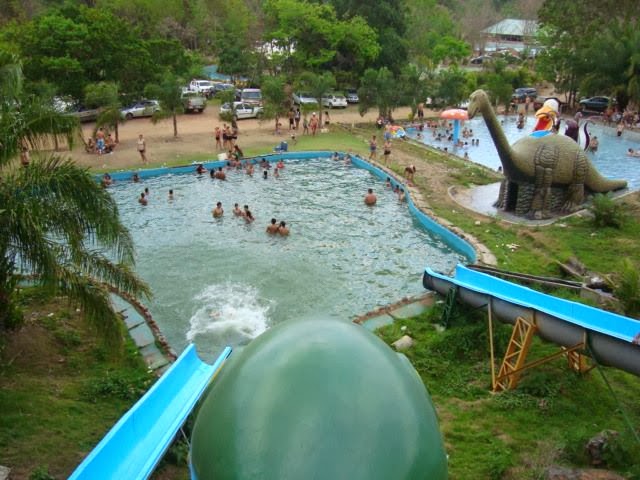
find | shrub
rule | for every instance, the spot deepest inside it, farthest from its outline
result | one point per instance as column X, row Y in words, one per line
column 606, row 212
column 627, row 288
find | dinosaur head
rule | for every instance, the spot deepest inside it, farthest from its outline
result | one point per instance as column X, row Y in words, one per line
column 475, row 100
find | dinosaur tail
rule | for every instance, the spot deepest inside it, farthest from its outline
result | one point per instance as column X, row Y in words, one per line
column 595, row 182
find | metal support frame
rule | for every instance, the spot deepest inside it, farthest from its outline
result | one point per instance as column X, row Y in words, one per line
column 513, row 363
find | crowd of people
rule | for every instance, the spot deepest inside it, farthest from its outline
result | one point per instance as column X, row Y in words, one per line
column 101, row 143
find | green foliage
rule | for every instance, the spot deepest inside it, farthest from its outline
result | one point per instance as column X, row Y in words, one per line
column 378, row 88
column 627, row 287
column 607, row 212
column 317, row 85
column 105, row 95
column 169, row 93
column 41, row 473
column 276, row 99
column 116, row 384
column 452, row 86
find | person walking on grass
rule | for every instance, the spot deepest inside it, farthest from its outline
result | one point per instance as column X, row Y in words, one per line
column 142, row 148
column 387, row 152
column 373, row 146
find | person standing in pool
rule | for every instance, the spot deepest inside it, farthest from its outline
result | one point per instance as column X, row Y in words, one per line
column 272, row 228
column 283, row 229
column 220, row 175
column 265, row 174
column 142, row 200
column 218, row 211
column 237, row 211
column 370, row 198
column 248, row 216
column 170, row 195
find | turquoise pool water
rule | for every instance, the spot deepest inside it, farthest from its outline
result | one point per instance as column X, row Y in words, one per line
column 221, row 281
column 611, row 159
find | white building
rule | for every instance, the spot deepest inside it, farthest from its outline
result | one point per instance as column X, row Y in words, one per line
column 510, row 33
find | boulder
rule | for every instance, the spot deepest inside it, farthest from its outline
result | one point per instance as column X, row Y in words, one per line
column 403, row 343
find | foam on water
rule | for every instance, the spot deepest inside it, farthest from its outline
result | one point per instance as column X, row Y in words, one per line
column 232, row 310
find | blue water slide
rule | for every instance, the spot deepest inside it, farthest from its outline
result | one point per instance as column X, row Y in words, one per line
column 134, row 446
column 612, row 339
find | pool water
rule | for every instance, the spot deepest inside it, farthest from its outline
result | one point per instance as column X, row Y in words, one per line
column 611, row 159
column 221, row 281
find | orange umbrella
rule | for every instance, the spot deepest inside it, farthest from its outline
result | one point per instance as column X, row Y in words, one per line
column 455, row 114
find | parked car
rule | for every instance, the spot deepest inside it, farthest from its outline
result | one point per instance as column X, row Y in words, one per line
column 143, row 108
column 221, row 87
column 242, row 110
column 596, row 104
column 250, row 95
column 352, row 95
column 480, row 60
column 540, row 99
column 334, row 100
column 205, row 87
column 84, row 114
column 303, row 98
column 520, row 94
column 193, row 102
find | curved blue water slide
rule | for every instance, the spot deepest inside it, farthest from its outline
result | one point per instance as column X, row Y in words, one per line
column 451, row 239
column 610, row 336
column 134, row 446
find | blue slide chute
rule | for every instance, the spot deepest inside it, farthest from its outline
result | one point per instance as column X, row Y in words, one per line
column 135, row 445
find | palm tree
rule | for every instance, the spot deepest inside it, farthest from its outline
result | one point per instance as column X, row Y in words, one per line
column 169, row 93
column 56, row 223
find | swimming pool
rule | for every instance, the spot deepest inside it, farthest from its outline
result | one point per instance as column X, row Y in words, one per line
column 611, row 159
column 221, row 281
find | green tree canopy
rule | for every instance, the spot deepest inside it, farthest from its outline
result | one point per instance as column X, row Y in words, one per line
column 379, row 89
column 169, row 93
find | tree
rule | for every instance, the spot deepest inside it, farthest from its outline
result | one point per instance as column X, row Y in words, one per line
column 105, row 96
column 169, row 94
column 318, row 85
column 378, row 89
column 56, row 223
column 277, row 100
column 413, row 88
column 452, row 87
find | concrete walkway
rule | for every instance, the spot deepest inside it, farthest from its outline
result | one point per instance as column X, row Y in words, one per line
column 405, row 308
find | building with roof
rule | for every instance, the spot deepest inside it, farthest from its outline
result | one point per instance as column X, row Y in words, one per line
column 509, row 34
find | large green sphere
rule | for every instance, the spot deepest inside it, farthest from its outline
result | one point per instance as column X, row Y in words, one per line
column 317, row 400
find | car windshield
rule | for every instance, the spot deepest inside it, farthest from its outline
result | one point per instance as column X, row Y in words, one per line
column 252, row 95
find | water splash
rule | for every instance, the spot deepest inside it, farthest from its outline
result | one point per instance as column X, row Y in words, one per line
column 230, row 310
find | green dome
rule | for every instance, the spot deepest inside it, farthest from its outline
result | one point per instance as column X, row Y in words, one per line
column 317, row 399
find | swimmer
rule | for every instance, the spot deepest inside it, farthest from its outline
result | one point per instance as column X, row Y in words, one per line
column 170, row 195
column 218, row 211
column 220, row 175
column 593, row 144
column 283, row 229
column 370, row 198
column 248, row 216
column 276, row 172
column 401, row 195
column 212, row 173
column 387, row 183
column 265, row 174
column 633, row 153
column 135, row 178
column 335, row 156
column 200, row 169
column 280, row 165
column 146, row 192
column 237, row 211
column 396, row 189
column 249, row 169
column 347, row 159
column 466, row 155
column 142, row 200
column 106, row 180
column 272, row 228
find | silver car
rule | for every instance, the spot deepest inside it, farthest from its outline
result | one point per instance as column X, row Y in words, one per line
column 144, row 108
column 303, row 98
column 242, row 110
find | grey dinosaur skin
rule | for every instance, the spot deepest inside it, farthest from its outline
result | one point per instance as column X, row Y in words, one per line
column 546, row 162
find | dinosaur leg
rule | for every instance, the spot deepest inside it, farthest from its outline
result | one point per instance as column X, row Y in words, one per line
column 575, row 191
column 542, row 193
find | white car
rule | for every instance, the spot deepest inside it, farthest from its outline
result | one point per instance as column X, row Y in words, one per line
column 242, row 110
column 143, row 108
column 334, row 100
column 302, row 98
column 204, row 87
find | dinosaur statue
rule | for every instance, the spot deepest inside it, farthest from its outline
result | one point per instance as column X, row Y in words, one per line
column 542, row 173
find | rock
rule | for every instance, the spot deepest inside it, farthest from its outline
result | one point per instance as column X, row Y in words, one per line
column 596, row 446
column 477, row 222
column 4, row 473
column 562, row 473
column 403, row 343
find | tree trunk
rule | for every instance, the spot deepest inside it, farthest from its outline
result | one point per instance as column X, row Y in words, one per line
column 175, row 125
column 116, row 130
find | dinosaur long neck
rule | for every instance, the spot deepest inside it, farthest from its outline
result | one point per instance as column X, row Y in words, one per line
column 499, row 139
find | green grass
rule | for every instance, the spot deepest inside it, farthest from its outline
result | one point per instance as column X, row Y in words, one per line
column 515, row 435
column 60, row 389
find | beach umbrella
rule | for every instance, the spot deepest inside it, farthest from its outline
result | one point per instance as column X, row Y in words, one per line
column 455, row 114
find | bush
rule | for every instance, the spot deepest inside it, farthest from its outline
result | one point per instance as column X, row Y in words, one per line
column 606, row 212
column 627, row 288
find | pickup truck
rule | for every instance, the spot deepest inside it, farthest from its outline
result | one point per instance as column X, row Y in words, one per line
column 205, row 87
column 193, row 102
